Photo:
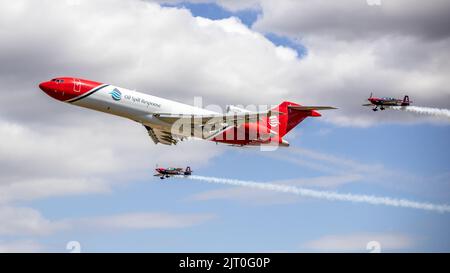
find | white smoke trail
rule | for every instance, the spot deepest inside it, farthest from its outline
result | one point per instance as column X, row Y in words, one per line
column 328, row 195
column 425, row 110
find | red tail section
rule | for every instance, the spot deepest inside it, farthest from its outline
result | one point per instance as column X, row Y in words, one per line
column 270, row 129
column 284, row 118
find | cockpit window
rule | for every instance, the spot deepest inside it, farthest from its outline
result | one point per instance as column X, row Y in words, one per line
column 57, row 80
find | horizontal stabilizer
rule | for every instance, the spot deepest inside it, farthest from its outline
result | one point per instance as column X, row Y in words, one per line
column 309, row 108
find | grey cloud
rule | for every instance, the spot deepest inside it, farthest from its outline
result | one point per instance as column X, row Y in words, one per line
column 355, row 19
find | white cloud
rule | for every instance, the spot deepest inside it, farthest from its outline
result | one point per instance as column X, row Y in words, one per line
column 43, row 188
column 357, row 242
column 23, row 221
column 21, row 246
column 26, row 221
column 144, row 220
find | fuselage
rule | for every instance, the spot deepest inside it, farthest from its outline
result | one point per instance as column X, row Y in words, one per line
column 385, row 101
column 160, row 116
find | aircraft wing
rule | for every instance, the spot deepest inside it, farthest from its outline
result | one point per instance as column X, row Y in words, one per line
column 218, row 122
column 233, row 118
column 368, row 104
column 160, row 136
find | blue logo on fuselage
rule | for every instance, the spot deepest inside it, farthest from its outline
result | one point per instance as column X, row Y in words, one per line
column 116, row 94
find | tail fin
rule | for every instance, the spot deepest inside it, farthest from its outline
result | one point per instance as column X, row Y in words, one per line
column 290, row 115
column 406, row 101
column 188, row 171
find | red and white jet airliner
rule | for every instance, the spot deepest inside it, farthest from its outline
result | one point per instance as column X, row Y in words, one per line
column 168, row 122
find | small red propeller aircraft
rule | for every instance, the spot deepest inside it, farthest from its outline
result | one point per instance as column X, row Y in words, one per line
column 387, row 102
column 166, row 173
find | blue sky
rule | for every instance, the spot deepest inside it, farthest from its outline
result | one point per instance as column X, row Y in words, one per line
column 252, row 225
column 399, row 159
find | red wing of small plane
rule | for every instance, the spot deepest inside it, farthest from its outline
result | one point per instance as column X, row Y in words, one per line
column 385, row 102
column 168, row 172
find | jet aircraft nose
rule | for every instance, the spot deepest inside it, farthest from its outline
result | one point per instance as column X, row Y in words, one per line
column 45, row 86
column 53, row 88
column 67, row 88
